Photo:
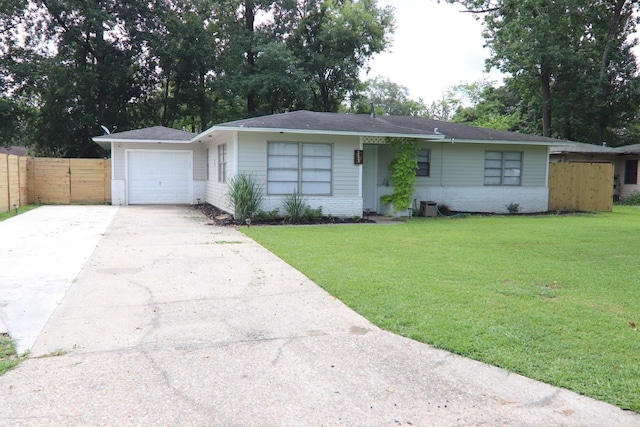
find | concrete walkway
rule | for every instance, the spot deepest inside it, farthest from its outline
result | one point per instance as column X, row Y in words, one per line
column 176, row 322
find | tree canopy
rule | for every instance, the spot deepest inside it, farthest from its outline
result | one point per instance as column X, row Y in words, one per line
column 69, row 66
column 570, row 60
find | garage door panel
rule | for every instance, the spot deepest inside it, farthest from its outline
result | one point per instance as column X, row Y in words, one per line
column 159, row 177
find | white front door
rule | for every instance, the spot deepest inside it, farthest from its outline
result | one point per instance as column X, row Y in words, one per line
column 370, row 178
column 159, row 177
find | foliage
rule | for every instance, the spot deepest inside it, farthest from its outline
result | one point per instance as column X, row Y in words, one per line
column 548, row 297
column 632, row 199
column 334, row 40
column 403, row 172
column 388, row 98
column 245, row 195
column 8, row 356
column 585, row 74
column 513, row 208
column 494, row 108
column 267, row 216
column 69, row 66
column 297, row 209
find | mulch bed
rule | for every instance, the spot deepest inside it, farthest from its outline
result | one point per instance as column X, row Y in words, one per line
column 222, row 218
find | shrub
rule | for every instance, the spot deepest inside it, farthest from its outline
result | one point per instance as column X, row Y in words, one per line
column 245, row 195
column 513, row 208
column 267, row 216
column 298, row 210
column 632, row 199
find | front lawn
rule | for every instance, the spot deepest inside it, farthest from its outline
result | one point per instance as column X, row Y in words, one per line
column 555, row 298
column 12, row 213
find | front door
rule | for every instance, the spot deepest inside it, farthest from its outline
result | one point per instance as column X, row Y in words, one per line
column 370, row 178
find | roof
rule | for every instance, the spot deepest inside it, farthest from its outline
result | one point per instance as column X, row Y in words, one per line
column 15, row 150
column 629, row 149
column 362, row 124
column 582, row 148
column 152, row 134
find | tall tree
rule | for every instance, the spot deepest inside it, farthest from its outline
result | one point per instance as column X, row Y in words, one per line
column 571, row 50
column 335, row 40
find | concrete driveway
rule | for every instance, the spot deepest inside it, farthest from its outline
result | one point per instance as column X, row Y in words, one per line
column 176, row 322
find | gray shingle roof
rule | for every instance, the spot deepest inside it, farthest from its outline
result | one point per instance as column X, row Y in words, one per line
column 155, row 133
column 629, row 149
column 381, row 125
column 15, row 150
column 582, row 148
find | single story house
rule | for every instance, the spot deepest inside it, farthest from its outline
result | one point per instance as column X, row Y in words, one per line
column 337, row 161
column 624, row 160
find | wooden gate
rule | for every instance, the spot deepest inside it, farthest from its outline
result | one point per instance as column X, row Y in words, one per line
column 586, row 187
column 66, row 181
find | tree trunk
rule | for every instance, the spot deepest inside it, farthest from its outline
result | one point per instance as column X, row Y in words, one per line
column 604, row 86
column 545, row 80
column 249, row 17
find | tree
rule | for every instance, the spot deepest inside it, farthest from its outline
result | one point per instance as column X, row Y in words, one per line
column 388, row 98
column 491, row 107
column 571, row 58
column 335, row 40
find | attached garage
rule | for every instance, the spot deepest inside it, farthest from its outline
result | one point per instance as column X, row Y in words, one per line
column 156, row 166
column 159, row 177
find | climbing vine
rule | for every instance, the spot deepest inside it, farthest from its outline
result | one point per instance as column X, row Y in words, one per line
column 403, row 172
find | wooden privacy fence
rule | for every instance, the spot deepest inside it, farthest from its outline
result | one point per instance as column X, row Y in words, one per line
column 26, row 180
column 581, row 187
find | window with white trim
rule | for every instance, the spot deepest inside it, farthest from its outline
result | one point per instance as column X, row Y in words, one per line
column 424, row 157
column 300, row 168
column 502, row 168
column 222, row 163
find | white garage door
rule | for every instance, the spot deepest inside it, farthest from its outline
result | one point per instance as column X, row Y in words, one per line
column 159, row 177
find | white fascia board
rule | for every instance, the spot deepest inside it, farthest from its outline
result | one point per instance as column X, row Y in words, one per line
column 142, row 141
column 321, row 132
column 499, row 142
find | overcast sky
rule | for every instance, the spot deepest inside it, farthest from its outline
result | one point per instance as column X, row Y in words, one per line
column 435, row 46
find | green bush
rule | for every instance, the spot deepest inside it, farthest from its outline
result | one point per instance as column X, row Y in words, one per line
column 513, row 208
column 245, row 195
column 297, row 209
column 632, row 199
column 267, row 216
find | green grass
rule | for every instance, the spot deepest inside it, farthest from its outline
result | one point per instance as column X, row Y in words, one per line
column 8, row 355
column 548, row 297
column 12, row 213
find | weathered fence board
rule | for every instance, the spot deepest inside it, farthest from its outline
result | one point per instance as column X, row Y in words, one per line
column 581, row 187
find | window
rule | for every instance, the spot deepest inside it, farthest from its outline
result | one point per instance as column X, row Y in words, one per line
column 299, row 168
column 222, row 163
column 631, row 171
column 423, row 163
column 206, row 155
column 502, row 168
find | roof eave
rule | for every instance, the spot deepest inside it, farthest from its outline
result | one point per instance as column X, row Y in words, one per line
column 500, row 142
column 317, row 131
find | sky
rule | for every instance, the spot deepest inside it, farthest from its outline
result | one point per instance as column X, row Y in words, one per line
column 435, row 46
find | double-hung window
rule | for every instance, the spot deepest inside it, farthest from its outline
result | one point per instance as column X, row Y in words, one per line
column 423, row 163
column 222, row 163
column 502, row 168
column 299, row 168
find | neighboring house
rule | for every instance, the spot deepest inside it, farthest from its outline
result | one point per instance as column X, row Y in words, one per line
column 337, row 161
column 624, row 159
column 16, row 150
